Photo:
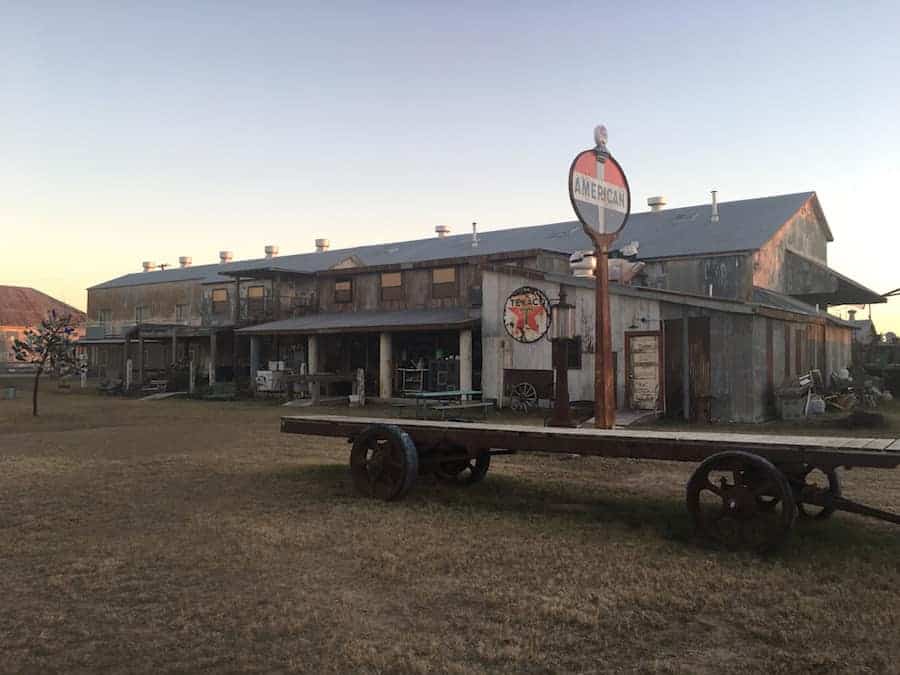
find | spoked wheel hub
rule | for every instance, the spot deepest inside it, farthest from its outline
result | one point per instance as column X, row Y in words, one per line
column 741, row 501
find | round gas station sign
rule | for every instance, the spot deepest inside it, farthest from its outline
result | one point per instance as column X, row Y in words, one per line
column 526, row 314
column 599, row 191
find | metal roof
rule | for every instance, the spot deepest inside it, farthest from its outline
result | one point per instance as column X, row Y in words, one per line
column 22, row 306
column 340, row 322
column 769, row 298
column 743, row 225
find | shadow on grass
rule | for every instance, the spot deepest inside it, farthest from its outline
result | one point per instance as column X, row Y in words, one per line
column 564, row 508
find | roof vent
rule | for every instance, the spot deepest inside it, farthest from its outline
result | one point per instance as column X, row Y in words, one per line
column 474, row 235
column 442, row 231
column 656, row 203
column 225, row 257
column 851, row 314
column 271, row 251
column 148, row 265
column 185, row 261
column 322, row 245
column 714, row 215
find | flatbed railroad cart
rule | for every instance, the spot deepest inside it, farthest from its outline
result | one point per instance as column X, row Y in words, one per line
column 745, row 494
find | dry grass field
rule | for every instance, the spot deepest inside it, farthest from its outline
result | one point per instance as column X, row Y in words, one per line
column 193, row 537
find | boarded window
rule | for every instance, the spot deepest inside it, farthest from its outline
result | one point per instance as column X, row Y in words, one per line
column 220, row 300
column 443, row 282
column 392, row 286
column 256, row 292
column 343, row 290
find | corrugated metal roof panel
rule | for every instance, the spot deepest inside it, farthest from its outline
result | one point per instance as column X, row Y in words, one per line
column 743, row 225
column 413, row 319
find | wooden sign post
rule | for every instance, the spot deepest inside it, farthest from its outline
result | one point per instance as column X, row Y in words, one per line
column 601, row 198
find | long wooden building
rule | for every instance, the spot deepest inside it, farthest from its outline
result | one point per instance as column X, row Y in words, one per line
column 732, row 296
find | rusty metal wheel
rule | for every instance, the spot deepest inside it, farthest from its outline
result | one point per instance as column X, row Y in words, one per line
column 464, row 471
column 815, row 492
column 384, row 462
column 741, row 501
column 523, row 398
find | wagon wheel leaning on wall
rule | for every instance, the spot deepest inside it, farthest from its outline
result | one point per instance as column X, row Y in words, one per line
column 523, row 398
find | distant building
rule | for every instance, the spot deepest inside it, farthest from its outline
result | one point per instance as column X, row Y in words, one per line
column 734, row 303
column 21, row 308
column 863, row 329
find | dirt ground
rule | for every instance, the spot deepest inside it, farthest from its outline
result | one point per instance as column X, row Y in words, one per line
column 192, row 536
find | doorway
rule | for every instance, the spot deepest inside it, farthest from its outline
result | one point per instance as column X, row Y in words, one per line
column 643, row 363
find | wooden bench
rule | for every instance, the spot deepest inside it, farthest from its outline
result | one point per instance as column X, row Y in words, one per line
column 464, row 405
column 155, row 387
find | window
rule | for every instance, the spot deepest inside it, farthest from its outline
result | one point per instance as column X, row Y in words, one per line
column 141, row 313
column 573, row 355
column 443, row 282
column 343, row 290
column 181, row 312
column 392, row 285
column 220, row 300
column 256, row 292
column 104, row 317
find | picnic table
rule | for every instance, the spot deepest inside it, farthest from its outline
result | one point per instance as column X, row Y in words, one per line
column 443, row 402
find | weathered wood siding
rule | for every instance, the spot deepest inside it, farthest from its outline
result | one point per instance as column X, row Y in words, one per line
column 718, row 276
column 500, row 351
column 417, row 292
column 159, row 299
column 803, row 233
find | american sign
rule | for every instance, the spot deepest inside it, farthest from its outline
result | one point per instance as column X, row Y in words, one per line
column 526, row 314
column 599, row 192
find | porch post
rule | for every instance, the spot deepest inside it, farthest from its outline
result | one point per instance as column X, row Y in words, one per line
column 465, row 360
column 212, row 357
column 685, row 368
column 174, row 347
column 312, row 366
column 254, row 359
column 385, row 371
column 140, row 357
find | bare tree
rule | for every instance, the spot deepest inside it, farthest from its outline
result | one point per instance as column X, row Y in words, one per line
column 49, row 346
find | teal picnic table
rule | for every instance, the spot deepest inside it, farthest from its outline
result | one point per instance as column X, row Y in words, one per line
column 448, row 401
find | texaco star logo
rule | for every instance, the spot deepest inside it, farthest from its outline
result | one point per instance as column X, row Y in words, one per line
column 526, row 314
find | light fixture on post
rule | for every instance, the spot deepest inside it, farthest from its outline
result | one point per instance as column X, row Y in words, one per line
column 562, row 333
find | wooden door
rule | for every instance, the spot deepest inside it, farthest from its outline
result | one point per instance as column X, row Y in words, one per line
column 698, row 353
column 643, row 363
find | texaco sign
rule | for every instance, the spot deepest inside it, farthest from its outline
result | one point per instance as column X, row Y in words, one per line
column 526, row 314
column 599, row 190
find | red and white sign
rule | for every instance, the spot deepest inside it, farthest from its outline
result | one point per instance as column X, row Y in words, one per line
column 599, row 192
column 526, row 314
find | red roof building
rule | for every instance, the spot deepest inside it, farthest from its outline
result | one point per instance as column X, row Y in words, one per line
column 21, row 308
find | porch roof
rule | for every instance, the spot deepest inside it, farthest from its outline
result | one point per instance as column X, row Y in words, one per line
column 343, row 322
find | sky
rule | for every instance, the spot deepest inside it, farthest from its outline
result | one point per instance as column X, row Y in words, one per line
column 134, row 131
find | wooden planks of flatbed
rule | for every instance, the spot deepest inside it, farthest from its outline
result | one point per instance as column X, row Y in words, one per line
column 640, row 444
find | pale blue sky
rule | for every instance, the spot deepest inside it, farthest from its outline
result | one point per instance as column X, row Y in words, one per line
column 149, row 130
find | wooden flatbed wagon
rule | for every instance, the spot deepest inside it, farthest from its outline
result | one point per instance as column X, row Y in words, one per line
column 746, row 493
